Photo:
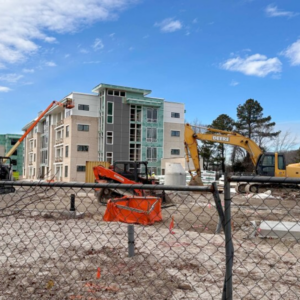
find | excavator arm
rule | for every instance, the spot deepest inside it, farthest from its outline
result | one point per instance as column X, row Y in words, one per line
column 216, row 136
column 68, row 104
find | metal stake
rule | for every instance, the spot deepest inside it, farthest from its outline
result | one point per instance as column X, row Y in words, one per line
column 72, row 204
column 130, row 240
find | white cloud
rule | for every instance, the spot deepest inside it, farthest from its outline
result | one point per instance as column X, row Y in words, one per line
column 234, row 83
column 293, row 53
column 256, row 65
column 50, row 39
column 93, row 62
column 50, row 64
column 4, row 89
column 28, row 70
column 98, row 45
column 84, row 51
column 272, row 11
column 10, row 77
column 24, row 23
column 195, row 21
column 169, row 25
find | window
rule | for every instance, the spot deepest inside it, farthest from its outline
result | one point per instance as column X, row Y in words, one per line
column 281, row 162
column 67, row 131
column 109, row 137
column 66, row 171
column 151, row 134
column 44, row 141
column 13, row 141
column 115, row 93
column 81, row 127
column 152, row 115
column 175, row 133
column 15, row 153
column 83, row 107
column 175, row 115
column 80, row 168
column 109, row 157
column 34, row 143
column 136, row 113
column 135, row 152
column 14, row 162
column 83, row 148
column 175, row 152
column 135, row 132
column 67, row 151
column 110, row 112
column 151, row 154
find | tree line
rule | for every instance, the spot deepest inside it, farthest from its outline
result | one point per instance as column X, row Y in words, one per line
column 250, row 122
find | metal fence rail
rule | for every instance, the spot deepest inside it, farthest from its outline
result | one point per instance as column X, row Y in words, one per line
column 209, row 244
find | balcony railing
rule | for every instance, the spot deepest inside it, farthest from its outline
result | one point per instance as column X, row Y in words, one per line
column 60, row 122
column 58, row 159
column 30, row 163
column 59, row 141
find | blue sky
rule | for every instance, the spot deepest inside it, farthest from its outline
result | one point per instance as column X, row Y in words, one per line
column 211, row 55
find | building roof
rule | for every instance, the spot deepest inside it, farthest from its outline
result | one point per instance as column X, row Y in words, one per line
column 119, row 87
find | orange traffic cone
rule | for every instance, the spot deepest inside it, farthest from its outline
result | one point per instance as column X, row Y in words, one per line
column 172, row 226
column 98, row 273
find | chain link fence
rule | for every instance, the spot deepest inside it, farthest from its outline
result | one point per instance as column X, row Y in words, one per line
column 266, row 231
column 56, row 244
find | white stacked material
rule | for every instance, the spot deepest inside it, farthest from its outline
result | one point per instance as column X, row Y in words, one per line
column 175, row 174
column 276, row 229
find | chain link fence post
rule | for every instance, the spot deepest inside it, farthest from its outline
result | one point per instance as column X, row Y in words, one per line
column 227, row 293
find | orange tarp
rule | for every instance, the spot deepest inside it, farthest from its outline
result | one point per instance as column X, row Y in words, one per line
column 136, row 209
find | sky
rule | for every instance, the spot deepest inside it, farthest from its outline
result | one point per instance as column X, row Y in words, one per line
column 210, row 55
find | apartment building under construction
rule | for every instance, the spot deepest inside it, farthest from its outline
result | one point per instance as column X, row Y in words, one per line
column 114, row 123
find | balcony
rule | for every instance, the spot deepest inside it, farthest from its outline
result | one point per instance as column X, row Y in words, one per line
column 60, row 122
column 59, row 141
column 30, row 163
column 58, row 159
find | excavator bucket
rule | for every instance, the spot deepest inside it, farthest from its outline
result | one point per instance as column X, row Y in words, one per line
column 134, row 210
column 196, row 180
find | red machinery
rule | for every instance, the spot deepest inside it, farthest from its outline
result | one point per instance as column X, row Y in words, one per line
column 132, row 205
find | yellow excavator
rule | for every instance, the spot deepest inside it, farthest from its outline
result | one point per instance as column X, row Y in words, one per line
column 265, row 163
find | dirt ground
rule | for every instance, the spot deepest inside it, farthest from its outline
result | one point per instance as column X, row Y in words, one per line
column 46, row 254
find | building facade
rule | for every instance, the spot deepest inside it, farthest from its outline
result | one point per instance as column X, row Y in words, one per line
column 7, row 141
column 115, row 123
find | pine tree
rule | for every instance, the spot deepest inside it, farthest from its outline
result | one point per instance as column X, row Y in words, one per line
column 222, row 122
column 251, row 123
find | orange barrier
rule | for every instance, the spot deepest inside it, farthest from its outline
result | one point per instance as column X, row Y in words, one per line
column 135, row 209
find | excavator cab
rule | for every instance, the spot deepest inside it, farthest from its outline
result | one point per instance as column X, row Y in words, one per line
column 271, row 164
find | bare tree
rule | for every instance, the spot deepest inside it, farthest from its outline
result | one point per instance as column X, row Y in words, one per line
column 284, row 142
